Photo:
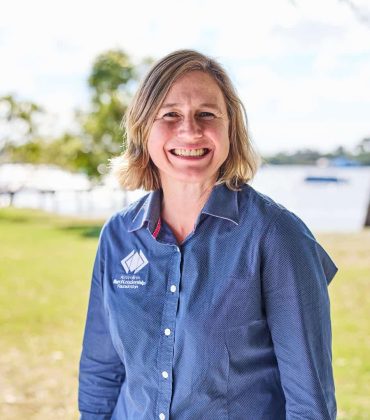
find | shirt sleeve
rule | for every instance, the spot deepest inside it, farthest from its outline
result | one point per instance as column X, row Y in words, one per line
column 101, row 370
column 296, row 271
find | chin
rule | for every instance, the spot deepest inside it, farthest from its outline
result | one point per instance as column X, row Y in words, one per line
column 195, row 179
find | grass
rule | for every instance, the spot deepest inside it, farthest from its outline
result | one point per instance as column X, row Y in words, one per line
column 350, row 307
column 45, row 269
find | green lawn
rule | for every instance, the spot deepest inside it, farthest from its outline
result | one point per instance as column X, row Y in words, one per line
column 45, row 268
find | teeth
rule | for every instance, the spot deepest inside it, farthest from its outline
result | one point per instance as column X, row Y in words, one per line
column 189, row 152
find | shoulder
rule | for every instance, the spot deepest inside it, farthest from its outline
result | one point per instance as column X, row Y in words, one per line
column 265, row 212
column 273, row 221
column 286, row 242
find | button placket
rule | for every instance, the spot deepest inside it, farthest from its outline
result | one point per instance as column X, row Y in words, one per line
column 167, row 340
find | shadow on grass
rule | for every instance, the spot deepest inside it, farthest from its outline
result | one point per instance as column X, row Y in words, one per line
column 16, row 215
column 38, row 218
column 14, row 219
column 86, row 231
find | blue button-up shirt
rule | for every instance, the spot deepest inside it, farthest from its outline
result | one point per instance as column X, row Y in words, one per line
column 233, row 323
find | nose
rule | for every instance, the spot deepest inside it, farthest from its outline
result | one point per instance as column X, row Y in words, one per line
column 190, row 128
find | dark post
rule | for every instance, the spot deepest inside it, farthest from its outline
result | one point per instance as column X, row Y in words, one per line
column 367, row 218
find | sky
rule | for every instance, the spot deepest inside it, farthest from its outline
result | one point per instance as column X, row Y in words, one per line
column 301, row 67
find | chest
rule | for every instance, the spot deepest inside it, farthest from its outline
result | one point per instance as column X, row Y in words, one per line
column 211, row 283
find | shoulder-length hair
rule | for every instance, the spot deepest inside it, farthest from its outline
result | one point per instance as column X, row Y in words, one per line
column 135, row 168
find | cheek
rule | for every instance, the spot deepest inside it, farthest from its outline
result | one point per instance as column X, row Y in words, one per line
column 151, row 146
column 158, row 135
column 219, row 132
column 153, row 151
column 223, row 140
column 154, row 136
column 155, row 145
column 226, row 151
column 224, row 147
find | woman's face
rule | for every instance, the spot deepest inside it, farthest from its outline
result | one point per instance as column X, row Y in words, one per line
column 189, row 139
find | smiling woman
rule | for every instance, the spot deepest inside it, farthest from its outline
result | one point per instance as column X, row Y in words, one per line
column 208, row 299
column 158, row 99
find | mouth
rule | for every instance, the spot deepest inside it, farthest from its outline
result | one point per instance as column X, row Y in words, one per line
column 190, row 152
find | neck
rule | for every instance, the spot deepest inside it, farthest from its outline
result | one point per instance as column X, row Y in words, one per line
column 181, row 205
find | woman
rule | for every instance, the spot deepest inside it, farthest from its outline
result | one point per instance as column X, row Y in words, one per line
column 209, row 300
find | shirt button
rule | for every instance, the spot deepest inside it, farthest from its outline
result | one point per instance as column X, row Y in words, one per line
column 167, row 331
column 173, row 288
column 165, row 374
column 162, row 416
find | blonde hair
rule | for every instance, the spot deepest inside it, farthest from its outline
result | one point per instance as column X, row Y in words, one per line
column 135, row 169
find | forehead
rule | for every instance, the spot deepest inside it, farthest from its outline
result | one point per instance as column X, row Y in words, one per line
column 195, row 86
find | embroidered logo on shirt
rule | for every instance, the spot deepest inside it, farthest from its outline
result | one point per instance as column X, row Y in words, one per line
column 128, row 282
column 134, row 262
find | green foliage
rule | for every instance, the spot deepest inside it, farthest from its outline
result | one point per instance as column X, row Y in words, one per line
column 14, row 110
column 301, row 157
column 20, row 118
column 363, row 151
column 360, row 155
column 100, row 135
column 110, row 81
column 111, row 72
column 68, row 152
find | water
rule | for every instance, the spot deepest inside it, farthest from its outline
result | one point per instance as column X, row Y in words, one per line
column 323, row 207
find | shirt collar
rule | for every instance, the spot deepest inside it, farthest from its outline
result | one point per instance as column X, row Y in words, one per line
column 148, row 212
column 222, row 203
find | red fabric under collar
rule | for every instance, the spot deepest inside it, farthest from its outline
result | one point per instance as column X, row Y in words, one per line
column 157, row 229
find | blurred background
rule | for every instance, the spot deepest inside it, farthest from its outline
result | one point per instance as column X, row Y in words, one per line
column 68, row 71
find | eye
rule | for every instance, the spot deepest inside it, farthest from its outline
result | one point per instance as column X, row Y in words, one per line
column 206, row 115
column 171, row 116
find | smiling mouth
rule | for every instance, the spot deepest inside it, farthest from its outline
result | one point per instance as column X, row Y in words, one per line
column 190, row 152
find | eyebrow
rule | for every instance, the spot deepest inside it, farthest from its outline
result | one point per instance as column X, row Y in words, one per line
column 205, row 105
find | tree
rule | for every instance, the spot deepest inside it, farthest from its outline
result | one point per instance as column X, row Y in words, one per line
column 66, row 151
column 111, row 83
column 19, row 120
column 363, row 151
